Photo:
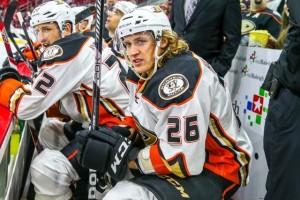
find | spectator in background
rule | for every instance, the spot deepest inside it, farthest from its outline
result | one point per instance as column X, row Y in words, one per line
column 284, row 28
column 213, row 30
column 245, row 4
column 84, row 26
column 109, row 4
column 165, row 8
column 113, row 18
column 260, row 17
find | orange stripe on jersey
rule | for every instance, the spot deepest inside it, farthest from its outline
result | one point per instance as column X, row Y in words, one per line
column 227, row 190
column 157, row 161
column 131, row 81
column 129, row 121
column 107, row 117
column 8, row 88
column 221, row 161
column 86, row 87
column 72, row 155
column 224, row 157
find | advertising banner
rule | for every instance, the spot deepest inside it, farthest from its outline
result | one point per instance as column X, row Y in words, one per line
column 250, row 102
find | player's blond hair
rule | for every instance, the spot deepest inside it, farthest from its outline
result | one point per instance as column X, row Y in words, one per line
column 175, row 46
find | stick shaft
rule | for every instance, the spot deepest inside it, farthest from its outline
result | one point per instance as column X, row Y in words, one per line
column 96, row 89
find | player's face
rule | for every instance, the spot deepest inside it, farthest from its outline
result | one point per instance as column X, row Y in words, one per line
column 47, row 33
column 140, row 50
column 113, row 19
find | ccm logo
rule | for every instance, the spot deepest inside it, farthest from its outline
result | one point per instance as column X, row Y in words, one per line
column 119, row 155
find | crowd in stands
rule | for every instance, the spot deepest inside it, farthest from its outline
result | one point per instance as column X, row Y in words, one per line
column 275, row 10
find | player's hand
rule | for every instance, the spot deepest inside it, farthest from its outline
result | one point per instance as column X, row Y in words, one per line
column 8, row 72
column 70, row 128
column 129, row 133
column 124, row 131
column 105, row 151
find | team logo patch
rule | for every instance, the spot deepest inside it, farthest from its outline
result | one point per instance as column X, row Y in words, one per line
column 52, row 52
column 173, row 86
column 247, row 26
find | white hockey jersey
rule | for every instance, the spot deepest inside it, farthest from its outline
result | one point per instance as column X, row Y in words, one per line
column 184, row 113
column 66, row 74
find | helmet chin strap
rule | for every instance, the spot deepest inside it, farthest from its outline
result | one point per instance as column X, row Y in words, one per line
column 157, row 58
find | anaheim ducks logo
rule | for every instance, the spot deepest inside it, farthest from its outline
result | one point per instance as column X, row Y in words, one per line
column 52, row 52
column 173, row 86
column 247, row 26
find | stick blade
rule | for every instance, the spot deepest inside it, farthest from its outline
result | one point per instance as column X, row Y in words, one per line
column 85, row 13
column 10, row 11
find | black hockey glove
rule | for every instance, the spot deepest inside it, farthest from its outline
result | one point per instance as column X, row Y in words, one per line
column 124, row 131
column 105, row 151
column 8, row 72
column 70, row 129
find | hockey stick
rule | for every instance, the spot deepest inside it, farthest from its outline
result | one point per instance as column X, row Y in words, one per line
column 22, row 23
column 12, row 7
column 11, row 60
column 8, row 19
column 96, row 89
column 85, row 13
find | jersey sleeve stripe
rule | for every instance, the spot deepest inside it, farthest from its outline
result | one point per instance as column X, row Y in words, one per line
column 10, row 93
column 218, row 140
column 177, row 165
column 157, row 162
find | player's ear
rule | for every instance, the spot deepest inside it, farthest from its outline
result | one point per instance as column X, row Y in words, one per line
column 68, row 29
column 164, row 42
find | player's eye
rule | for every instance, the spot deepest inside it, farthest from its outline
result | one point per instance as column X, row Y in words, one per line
column 127, row 45
column 140, row 42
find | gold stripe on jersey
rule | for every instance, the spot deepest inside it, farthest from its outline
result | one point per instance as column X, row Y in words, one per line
column 177, row 166
column 87, row 89
column 112, row 108
column 14, row 100
column 83, row 106
column 241, row 158
column 141, row 85
column 175, row 169
column 148, row 137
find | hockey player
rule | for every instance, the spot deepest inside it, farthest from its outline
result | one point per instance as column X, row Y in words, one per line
column 120, row 8
column 66, row 73
column 195, row 145
column 84, row 26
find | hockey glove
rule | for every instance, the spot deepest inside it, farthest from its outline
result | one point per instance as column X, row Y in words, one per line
column 70, row 129
column 8, row 72
column 124, row 131
column 105, row 151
